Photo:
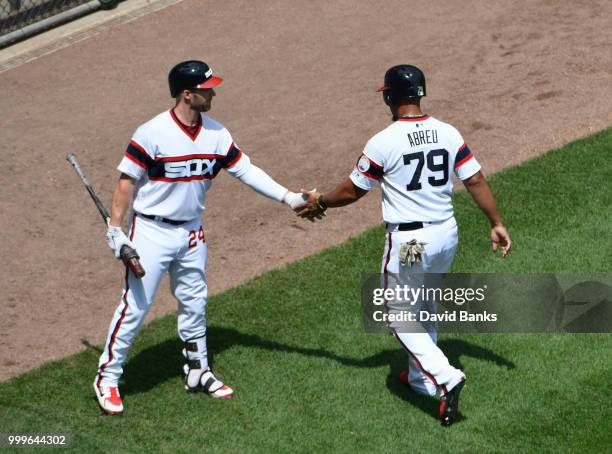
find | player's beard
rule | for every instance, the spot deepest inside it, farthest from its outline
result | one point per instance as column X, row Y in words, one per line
column 204, row 107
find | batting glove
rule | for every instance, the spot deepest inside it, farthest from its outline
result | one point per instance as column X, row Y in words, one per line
column 294, row 199
column 116, row 239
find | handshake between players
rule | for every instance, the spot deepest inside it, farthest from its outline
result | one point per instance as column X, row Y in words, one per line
column 169, row 165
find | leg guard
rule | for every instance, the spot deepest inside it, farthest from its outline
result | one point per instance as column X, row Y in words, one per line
column 196, row 354
column 198, row 375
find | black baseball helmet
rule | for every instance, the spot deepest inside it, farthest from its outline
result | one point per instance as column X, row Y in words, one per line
column 403, row 82
column 191, row 74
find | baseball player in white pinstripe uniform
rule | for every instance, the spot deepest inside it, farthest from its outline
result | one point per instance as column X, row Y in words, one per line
column 413, row 160
column 165, row 173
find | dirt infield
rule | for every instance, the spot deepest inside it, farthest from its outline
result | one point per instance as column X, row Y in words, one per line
column 517, row 78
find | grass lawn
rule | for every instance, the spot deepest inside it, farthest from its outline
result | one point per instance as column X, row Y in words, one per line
column 308, row 379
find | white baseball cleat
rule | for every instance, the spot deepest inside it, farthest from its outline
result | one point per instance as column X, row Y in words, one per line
column 208, row 383
column 224, row 392
column 109, row 398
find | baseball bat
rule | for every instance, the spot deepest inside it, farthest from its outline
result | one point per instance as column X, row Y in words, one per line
column 128, row 255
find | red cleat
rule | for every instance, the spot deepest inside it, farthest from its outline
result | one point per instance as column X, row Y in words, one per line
column 109, row 399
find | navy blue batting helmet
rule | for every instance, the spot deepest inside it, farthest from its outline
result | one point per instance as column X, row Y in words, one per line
column 191, row 74
column 402, row 83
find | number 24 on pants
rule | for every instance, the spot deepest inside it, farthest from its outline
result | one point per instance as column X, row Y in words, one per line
column 194, row 237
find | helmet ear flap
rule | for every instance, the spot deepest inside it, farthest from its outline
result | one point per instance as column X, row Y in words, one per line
column 387, row 97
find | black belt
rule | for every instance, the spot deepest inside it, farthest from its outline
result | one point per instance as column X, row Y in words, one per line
column 409, row 226
column 158, row 218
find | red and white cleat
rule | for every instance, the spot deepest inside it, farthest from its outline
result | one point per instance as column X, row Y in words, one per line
column 215, row 387
column 225, row 392
column 109, row 398
column 206, row 382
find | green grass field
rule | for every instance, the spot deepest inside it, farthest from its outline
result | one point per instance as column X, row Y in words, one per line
column 308, row 379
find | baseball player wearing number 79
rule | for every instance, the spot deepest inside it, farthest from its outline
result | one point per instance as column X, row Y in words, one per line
column 413, row 159
column 166, row 171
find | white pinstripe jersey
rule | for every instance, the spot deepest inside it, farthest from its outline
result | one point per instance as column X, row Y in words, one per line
column 412, row 159
column 174, row 167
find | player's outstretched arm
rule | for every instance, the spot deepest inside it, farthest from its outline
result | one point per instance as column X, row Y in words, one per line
column 316, row 203
column 481, row 192
column 264, row 184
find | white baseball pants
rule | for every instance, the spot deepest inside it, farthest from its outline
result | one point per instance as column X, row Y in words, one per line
column 180, row 250
column 429, row 368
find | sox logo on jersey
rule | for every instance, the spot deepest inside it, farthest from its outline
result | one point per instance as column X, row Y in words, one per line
column 197, row 167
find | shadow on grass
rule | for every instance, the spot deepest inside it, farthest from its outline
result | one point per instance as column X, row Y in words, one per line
column 164, row 361
column 454, row 350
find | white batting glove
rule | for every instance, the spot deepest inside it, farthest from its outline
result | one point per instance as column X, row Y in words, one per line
column 294, row 199
column 116, row 239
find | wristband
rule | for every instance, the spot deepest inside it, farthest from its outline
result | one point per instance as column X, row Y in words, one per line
column 322, row 205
